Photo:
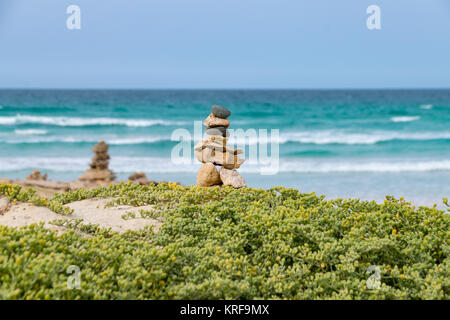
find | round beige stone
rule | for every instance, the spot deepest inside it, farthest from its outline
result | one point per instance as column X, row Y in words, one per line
column 208, row 176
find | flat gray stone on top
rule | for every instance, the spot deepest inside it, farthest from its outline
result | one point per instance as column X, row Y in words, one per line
column 221, row 112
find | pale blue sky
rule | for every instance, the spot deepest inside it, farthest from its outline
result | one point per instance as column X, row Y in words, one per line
column 224, row 44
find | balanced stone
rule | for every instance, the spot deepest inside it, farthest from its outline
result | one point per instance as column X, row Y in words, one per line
column 208, row 176
column 218, row 131
column 221, row 112
column 226, row 159
column 214, row 142
column 101, row 157
column 100, row 147
column 231, row 178
column 205, row 155
column 238, row 161
column 213, row 121
column 100, row 164
column 234, row 151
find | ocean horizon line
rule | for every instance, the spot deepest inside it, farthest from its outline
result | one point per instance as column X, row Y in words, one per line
column 225, row 89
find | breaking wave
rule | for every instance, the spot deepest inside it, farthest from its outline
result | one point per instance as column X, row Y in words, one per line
column 405, row 119
column 340, row 137
column 324, row 137
column 165, row 165
column 30, row 132
column 85, row 122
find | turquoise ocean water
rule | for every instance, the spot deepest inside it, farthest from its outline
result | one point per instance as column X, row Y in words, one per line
column 363, row 144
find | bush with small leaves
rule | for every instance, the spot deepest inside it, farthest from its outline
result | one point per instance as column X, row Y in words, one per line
column 223, row 243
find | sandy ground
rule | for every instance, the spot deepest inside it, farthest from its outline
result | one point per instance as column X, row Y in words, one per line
column 91, row 211
column 48, row 188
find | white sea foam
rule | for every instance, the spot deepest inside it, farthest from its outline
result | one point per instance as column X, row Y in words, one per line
column 426, row 106
column 30, row 132
column 164, row 165
column 81, row 122
column 405, row 118
column 300, row 166
column 308, row 137
column 33, row 138
column 341, row 137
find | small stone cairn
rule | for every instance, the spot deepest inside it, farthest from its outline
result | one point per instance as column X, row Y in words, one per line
column 213, row 152
column 99, row 172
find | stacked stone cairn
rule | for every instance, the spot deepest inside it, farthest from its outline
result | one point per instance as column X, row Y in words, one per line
column 99, row 172
column 213, row 152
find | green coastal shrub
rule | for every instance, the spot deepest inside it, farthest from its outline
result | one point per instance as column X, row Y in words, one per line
column 222, row 243
column 17, row 193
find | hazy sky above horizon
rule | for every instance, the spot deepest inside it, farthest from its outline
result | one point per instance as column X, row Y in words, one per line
column 224, row 44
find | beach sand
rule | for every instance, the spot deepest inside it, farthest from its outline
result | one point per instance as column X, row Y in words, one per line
column 92, row 211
